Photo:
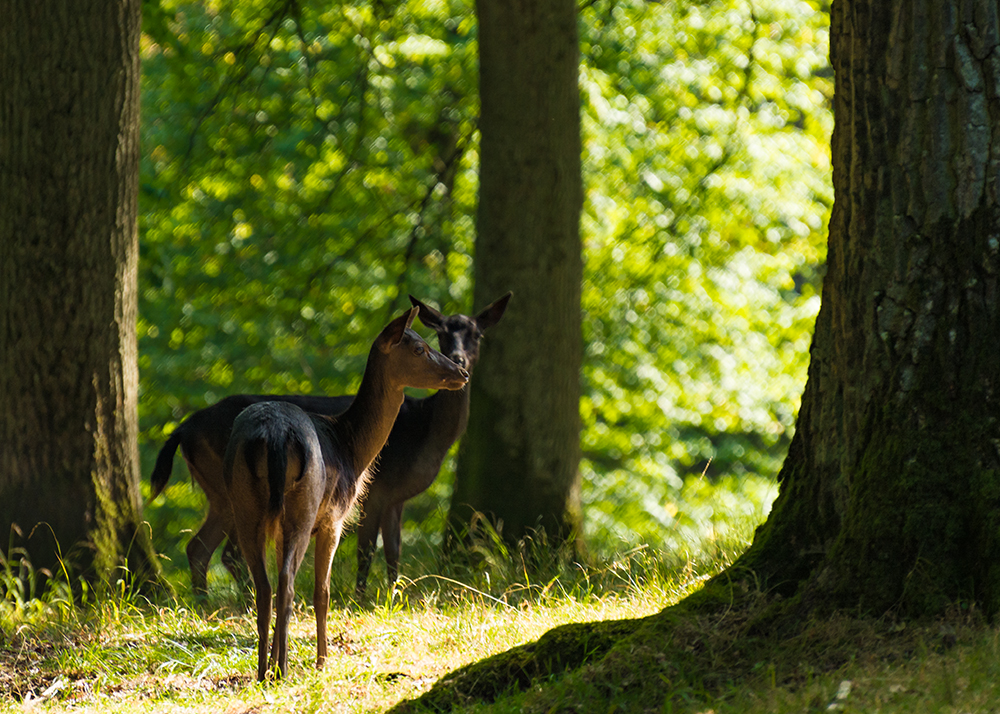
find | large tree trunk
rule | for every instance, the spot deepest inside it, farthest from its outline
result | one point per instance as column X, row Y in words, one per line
column 519, row 460
column 890, row 494
column 69, row 160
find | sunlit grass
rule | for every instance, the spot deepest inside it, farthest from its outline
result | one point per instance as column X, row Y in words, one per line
column 127, row 654
column 115, row 651
column 33, row 600
column 852, row 666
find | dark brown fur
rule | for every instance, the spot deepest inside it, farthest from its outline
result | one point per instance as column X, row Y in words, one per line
column 408, row 464
column 424, row 432
column 290, row 475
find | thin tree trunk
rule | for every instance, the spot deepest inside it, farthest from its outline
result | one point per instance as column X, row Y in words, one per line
column 69, row 157
column 519, row 460
column 890, row 494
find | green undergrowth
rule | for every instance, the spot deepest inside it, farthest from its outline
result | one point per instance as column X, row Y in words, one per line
column 117, row 651
column 686, row 662
column 500, row 629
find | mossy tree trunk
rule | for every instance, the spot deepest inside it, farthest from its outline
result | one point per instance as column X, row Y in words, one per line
column 890, row 494
column 519, row 460
column 69, row 162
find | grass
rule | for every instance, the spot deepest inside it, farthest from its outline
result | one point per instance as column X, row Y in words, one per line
column 115, row 651
column 852, row 667
column 120, row 653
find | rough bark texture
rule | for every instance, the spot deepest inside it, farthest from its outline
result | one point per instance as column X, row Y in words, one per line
column 519, row 460
column 69, row 161
column 890, row 494
column 891, row 489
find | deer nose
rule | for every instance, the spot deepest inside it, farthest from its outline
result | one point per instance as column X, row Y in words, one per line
column 460, row 359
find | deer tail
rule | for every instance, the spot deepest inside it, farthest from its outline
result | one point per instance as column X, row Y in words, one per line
column 277, row 466
column 165, row 463
column 267, row 436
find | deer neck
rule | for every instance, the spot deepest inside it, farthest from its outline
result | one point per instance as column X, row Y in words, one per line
column 367, row 422
column 449, row 415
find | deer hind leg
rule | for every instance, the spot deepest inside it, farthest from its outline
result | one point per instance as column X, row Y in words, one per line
column 295, row 542
column 233, row 562
column 200, row 548
column 392, row 540
column 367, row 540
column 253, row 543
column 327, row 540
column 207, row 470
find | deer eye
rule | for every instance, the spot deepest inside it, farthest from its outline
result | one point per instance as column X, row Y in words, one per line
column 419, row 349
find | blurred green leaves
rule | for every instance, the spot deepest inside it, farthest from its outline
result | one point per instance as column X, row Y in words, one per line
column 306, row 165
column 707, row 163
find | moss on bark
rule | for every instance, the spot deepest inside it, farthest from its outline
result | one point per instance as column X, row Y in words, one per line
column 559, row 650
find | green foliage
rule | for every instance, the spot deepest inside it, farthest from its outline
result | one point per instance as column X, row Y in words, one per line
column 306, row 165
column 32, row 599
column 707, row 163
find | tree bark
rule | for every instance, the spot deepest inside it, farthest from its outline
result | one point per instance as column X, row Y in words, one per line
column 890, row 493
column 518, row 463
column 69, row 160
column 891, row 488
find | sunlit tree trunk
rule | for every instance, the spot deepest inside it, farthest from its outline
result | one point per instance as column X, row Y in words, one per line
column 890, row 495
column 519, row 460
column 69, row 163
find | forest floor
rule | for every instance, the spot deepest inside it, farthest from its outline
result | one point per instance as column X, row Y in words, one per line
column 122, row 653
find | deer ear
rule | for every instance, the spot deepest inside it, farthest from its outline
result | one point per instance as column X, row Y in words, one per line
column 392, row 333
column 428, row 315
column 492, row 313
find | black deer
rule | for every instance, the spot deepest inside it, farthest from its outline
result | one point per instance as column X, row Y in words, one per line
column 410, row 461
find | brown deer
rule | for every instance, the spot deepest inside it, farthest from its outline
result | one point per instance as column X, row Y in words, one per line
column 408, row 464
column 424, row 432
column 290, row 475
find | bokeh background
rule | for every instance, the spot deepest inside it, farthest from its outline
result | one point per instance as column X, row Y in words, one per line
column 307, row 165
